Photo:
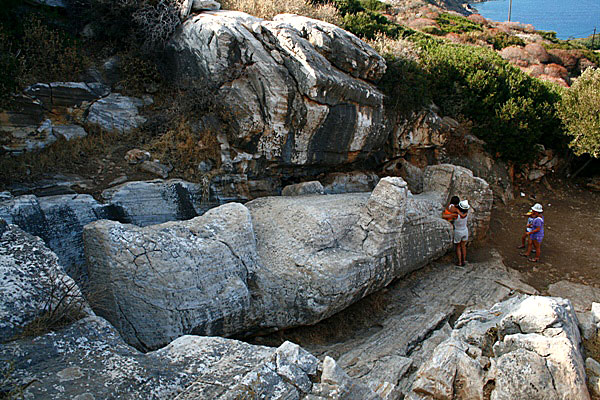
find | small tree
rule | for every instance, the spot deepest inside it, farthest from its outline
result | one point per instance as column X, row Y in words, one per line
column 579, row 110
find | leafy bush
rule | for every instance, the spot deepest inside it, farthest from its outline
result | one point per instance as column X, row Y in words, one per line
column 510, row 110
column 367, row 24
column 549, row 36
column 502, row 40
column 580, row 113
column 456, row 24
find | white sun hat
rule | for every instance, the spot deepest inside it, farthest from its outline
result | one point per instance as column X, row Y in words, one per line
column 537, row 207
column 464, row 204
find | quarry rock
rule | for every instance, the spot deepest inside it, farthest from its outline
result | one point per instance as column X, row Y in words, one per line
column 66, row 94
column 153, row 202
column 88, row 360
column 59, row 221
column 176, row 278
column 156, row 168
column 34, row 285
column 528, row 345
column 286, row 82
column 205, row 5
column 116, row 113
column 312, row 187
column 349, row 182
column 417, row 317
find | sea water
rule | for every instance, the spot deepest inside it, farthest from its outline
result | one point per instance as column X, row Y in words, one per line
column 568, row 18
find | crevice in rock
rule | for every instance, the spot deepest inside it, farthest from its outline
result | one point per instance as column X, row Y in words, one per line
column 141, row 343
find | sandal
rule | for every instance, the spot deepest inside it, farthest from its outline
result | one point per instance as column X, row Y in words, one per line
column 521, row 247
column 533, row 259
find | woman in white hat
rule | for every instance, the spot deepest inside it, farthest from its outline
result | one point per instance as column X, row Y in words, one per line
column 461, row 232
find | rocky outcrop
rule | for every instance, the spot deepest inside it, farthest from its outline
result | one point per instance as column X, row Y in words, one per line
column 299, row 87
column 89, row 360
column 525, row 347
column 59, row 221
column 146, row 203
column 37, row 117
column 410, row 318
column 34, row 286
column 447, row 180
column 167, row 280
column 298, row 260
column 116, row 113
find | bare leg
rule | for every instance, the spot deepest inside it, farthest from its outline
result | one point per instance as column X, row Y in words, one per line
column 538, row 249
column 458, row 254
column 523, row 238
column 463, row 245
column 528, row 252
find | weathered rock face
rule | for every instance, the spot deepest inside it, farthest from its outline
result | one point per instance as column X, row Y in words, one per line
column 450, row 180
column 33, row 284
column 88, row 360
column 59, row 220
column 146, row 203
column 418, row 315
column 525, row 347
column 176, row 278
column 37, row 117
column 298, row 87
column 116, row 113
column 298, row 260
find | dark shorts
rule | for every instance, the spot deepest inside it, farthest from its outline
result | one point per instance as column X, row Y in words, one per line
column 537, row 239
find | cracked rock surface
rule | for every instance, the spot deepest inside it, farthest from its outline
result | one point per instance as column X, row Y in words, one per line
column 276, row 262
column 88, row 360
column 163, row 281
column 32, row 284
column 300, row 89
column 524, row 347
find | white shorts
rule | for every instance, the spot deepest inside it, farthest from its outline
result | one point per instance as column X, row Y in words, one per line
column 461, row 235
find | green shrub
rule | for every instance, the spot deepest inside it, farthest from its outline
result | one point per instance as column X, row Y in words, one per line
column 405, row 85
column 549, row 36
column 367, row 24
column 510, row 110
column 374, row 5
column 456, row 24
column 580, row 113
column 502, row 40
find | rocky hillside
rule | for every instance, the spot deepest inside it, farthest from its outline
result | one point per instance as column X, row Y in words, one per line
column 175, row 174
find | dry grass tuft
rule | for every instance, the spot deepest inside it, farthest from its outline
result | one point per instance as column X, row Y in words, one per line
column 185, row 147
column 60, row 155
column 267, row 9
column 398, row 48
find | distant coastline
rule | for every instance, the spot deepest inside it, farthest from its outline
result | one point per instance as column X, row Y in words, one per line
column 568, row 18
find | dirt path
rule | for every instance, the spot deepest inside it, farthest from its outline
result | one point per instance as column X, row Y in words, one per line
column 571, row 246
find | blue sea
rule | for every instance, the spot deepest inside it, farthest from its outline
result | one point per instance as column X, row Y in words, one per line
column 568, row 18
